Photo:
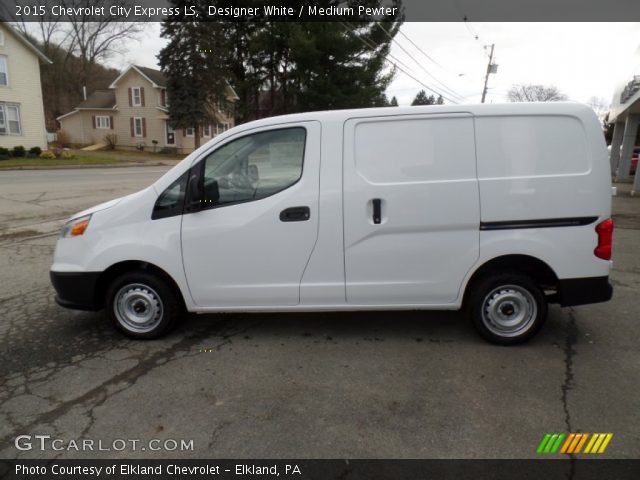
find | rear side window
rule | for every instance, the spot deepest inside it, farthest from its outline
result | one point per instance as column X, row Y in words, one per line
column 531, row 146
column 415, row 150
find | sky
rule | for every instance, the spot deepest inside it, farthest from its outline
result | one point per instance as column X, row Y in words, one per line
column 583, row 60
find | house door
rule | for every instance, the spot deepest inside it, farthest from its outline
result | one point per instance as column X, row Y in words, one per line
column 171, row 134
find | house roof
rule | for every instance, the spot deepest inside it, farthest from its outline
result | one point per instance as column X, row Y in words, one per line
column 157, row 78
column 99, row 99
column 26, row 42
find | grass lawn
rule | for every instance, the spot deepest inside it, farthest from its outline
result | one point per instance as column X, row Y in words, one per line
column 91, row 158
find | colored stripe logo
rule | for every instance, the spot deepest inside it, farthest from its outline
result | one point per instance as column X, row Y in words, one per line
column 572, row 443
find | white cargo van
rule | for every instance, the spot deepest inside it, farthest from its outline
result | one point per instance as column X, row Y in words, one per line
column 499, row 209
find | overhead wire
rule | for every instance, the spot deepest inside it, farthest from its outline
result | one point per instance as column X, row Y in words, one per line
column 352, row 30
column 447, row 89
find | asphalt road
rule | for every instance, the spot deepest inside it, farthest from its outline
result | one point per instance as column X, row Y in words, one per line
column 330, row 385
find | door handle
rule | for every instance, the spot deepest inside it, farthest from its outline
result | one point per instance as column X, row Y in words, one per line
column 377, row 210
column 295, row 214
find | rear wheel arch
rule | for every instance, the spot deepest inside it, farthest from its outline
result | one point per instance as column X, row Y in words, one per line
column 538, row 270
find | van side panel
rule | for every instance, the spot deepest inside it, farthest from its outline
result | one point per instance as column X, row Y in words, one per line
column 549, row 170
column 420, row 173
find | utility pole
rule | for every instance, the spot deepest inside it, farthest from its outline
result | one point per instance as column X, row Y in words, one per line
column 491, row 68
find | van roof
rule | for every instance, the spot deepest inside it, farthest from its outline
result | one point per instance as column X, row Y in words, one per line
column 494, row 109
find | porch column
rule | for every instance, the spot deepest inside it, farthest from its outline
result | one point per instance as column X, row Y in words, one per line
column 616, row 141
column 628, row 142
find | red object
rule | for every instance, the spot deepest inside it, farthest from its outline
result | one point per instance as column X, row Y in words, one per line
column 634, row 164
column 605, row 239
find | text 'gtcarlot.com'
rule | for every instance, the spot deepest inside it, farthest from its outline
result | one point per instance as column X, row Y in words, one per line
column 46, row 442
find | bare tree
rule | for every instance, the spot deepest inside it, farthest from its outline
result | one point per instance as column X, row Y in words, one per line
column 95, row 41
column 535, row 93
column 599, row 105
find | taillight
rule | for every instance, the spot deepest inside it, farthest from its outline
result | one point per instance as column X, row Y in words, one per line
column 605, row 239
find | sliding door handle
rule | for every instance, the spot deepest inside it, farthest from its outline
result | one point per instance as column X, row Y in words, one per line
column 295, row 214
column 377, row 211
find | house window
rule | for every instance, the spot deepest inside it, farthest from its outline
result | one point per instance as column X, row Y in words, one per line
column 1, row 39
column 136, row 97
column 102, row 121
column 4, row 72
column 137, row 126
column 206, row 131
column 189, row 132
column 10, row 120
column 221, row 128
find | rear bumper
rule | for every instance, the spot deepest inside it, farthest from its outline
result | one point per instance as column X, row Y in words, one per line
column 581, row 291
column 76, row 290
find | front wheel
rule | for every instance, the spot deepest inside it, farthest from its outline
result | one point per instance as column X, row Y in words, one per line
column 142, row 305
column 507, row 308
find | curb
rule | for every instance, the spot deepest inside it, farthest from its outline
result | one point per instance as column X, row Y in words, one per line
column 106, row 165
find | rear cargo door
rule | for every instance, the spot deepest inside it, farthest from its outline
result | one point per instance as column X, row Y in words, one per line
column 411, row 212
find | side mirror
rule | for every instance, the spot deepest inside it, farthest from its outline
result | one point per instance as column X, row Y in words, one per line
column 195, row 193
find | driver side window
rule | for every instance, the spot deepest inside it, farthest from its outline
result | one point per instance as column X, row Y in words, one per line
column 254, row 167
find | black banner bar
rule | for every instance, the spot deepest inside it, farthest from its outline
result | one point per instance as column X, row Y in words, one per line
column 323, row 10
column 547, row 469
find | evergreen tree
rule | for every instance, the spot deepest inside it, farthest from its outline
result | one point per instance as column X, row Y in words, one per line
column 423, row 99
column 192, row 63
column 393, row 102
column 276, row 67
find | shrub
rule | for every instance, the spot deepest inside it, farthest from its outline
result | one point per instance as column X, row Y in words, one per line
column 18, row 151
column 168, row 150
column 4, row 151
column 111, row 140
column 62, row 138
column 66, row 154
column 48, row 154
column 35, row 151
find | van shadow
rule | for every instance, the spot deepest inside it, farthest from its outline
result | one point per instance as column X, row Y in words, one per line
column 435, row 327
column 421, row 326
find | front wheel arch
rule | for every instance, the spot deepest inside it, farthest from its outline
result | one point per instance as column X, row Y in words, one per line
column 114, row 271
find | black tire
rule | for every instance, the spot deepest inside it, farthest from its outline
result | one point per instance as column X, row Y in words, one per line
column 506, row 308
column 142, row 305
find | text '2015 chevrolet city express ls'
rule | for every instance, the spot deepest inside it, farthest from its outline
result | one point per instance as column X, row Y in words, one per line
column 498, row 209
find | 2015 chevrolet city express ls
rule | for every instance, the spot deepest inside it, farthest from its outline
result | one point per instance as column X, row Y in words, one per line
column 499, row 209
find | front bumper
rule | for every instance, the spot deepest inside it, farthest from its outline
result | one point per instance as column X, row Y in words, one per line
column 76, row 290
column 581, row 291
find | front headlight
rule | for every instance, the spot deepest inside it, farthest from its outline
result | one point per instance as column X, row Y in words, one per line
column 75, row 227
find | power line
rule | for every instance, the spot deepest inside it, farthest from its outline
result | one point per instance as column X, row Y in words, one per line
column 372, row 45
column 445, row 87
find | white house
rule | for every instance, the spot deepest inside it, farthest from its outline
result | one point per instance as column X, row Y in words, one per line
column 21, row 108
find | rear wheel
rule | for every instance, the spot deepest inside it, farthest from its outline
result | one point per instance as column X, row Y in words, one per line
column 507, row 308
column 142, row 305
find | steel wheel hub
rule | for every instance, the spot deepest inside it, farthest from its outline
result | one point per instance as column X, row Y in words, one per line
column 509, row 310
column 138, row 307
